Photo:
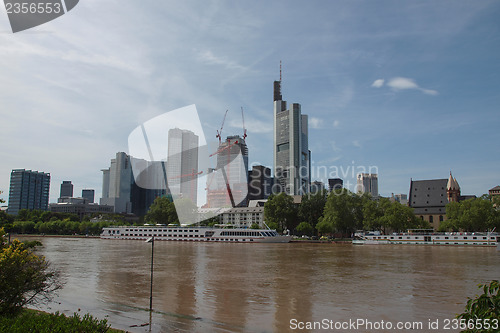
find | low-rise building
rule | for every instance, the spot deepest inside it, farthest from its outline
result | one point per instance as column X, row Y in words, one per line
column 429, row 198
column 79, row 208
column 243, row 217
column 495, row 191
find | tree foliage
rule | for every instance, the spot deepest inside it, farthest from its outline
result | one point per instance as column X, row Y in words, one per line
column 477, row 214
column 305, row 228
column 162, row 211
column 311, row 210
column 343, row 213
column 483, row 309
column 281, row 210
column 346, row 212
column 25, row 278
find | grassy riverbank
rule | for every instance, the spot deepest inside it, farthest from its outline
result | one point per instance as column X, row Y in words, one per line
column 42, row 322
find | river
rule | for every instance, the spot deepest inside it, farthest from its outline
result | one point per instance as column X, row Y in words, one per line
column 225, row 287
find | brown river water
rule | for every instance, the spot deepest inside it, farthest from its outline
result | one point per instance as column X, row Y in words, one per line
column 217, row 287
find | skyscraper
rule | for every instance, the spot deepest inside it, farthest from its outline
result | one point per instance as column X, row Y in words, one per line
column 88, row 195
column 182, row 163
column 28, row 190
column 291, row 152
column 368, row 183
column 120, row 189
column 116, row 184
column 335, row 184
column 260, row 182
column 66, row 189
column 236, row 174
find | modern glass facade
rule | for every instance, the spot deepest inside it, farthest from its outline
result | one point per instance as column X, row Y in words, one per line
column 28, row 190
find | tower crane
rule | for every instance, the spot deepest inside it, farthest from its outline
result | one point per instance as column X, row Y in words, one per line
column 219, row 132
column 244, row 129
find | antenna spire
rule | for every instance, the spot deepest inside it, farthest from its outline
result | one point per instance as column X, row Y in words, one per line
column 280, row 70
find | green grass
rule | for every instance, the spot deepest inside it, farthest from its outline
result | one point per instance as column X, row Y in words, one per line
column 41, row 322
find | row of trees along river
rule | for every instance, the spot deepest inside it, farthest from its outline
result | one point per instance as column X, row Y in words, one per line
column 340, row 212
column 344, row 212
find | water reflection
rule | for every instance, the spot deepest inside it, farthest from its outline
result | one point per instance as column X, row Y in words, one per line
column 261, row 287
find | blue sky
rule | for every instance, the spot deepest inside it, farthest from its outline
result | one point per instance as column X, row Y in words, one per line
column 410, row 87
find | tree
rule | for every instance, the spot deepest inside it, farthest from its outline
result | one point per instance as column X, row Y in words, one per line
column 305, row 228
column 281, row 210
column 373, row 214
column 343, row 212
column 400, row 218
column 483, row 309
column 25, row 278
column 311, row 209
column 477, row 214
column 162, row 211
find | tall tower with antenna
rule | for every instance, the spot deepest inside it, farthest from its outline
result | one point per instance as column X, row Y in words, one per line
column 291, row 158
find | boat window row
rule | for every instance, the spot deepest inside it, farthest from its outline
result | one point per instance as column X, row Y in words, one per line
column 437, row 237
column 240, row 233
column 162, row 230
column 161, row 235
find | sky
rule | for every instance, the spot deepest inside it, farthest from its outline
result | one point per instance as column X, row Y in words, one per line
column 410, row 89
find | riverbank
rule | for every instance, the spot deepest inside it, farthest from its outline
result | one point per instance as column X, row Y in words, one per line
column 33, row 320
column 45, row 235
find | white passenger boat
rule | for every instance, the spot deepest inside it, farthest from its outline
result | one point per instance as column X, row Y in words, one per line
column 421, row 238
column 196, row 234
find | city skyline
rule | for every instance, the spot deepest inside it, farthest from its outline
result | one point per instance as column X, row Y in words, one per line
column 407, row 87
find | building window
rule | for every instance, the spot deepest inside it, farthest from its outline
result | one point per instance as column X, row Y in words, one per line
column 431, row 219
column 441, row 218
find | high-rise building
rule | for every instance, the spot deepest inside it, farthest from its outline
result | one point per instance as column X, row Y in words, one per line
column 368, row 183
column 88, row 195
column 291, row 151
column 66, row 189
column 335, row 184
column 117, row 184
column 260, row 182
column 232, row 166
column 28, row 190
column 317, row 186
column 182, row 163
column 120, row 190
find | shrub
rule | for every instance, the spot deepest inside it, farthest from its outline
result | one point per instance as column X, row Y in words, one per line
column 33, row 321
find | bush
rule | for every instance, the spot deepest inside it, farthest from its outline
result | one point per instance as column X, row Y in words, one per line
column 483, row 309
column 25, row 278
column 33, row 321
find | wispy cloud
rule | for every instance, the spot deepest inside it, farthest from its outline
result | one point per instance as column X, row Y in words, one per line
column 315, row 122
column 336, row 124
column 402, row 83
column 253, row 125
column 334, row 146
column 356, row 143
column 378, row 83
column 208, row 57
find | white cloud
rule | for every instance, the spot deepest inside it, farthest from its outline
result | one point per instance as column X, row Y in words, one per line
column 378, row 83
column 210, row 58
column 334, row 146
column 336, row 124
column 252, row 125
column 403, row 83
column 315, row 122
column 356, row 143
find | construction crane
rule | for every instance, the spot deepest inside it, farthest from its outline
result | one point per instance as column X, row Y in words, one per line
column 244, row 129
column 220, row 150
column 222, row 169
column 193, row 175
column 219, row 133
